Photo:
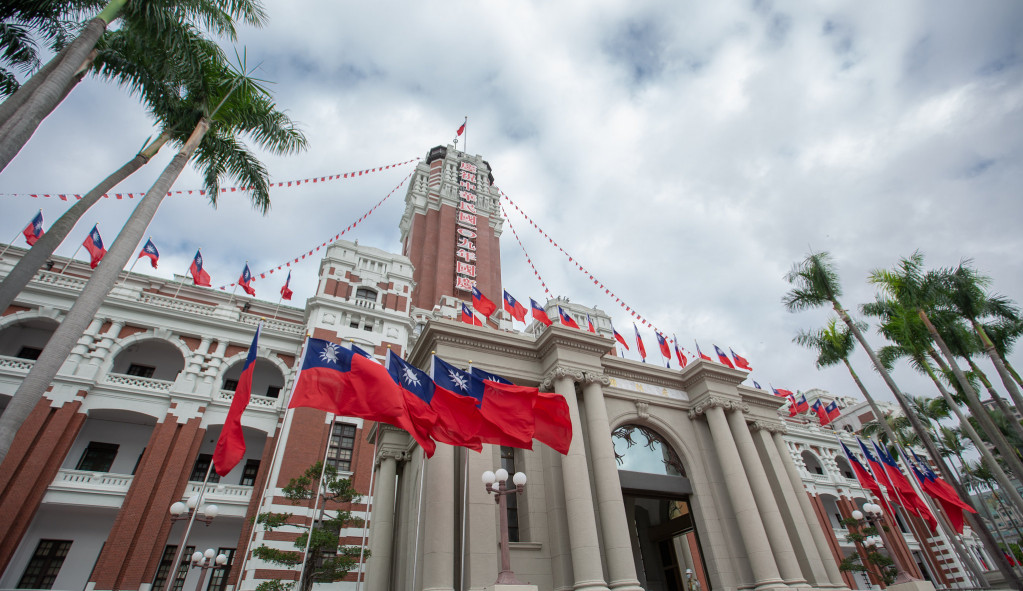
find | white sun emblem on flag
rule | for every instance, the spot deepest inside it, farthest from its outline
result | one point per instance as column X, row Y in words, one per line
column 458, row 379
column 329, row 353
column 410, row 376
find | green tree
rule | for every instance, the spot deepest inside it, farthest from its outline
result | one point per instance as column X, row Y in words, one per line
column 325, row 560
column 24, row 110
column 816, row 285
column 883, row 566
column 226, row 105
column 23, row 25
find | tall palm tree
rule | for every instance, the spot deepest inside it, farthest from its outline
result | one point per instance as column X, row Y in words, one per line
column 1003, row 333
column 23, row 23
column 966, row 292
column 126, row 56
column 816, row 285
column 35, row 100
column 226, row 105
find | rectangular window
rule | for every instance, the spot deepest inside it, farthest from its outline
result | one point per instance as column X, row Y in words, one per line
column 250, row 472
column 142, row 371
column 218, row 578
column 162, row 571
column 42, row 569
column 508, row 463
column 202, row 464
column 342, row 445
column 231, row 385
column 29, row 353
column 273, row 391
column 98, row 457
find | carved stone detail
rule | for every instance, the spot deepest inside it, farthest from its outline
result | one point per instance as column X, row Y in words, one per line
column 643, row 410
column 394, row 454
column 596, row 378
column 712, row 401
column 769, row 426
column 559, row 372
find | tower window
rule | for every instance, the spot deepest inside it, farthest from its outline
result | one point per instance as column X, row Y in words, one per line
column 250, row 472
column 98, row 457
column 142, row 371
column 365, row 293
column 42, row 569
column 201, row 466
column 342, row 447
column 31, row 353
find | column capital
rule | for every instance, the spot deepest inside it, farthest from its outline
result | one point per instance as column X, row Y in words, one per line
column 561, row 371
column 592, row 377
column 703, row 404
column 769, row 426
column 399, row 455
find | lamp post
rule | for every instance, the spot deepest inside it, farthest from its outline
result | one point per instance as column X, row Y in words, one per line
column 189, row 511
column 204, row 561
column 872, row 514
column 495, row 482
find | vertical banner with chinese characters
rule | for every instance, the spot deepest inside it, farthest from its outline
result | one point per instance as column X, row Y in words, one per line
column 465, row 235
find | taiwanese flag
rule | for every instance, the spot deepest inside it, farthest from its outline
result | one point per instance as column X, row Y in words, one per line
column 482, row 302
column 723, row 358
column 507, row 408
column 910, row 500
column 335, row 379
column 639, row 343
column 94, row 244
column 682, row 361
column 231, row 445
column 34, row 230
column 149, row 250
column 286, row 292
column 942, row 492
column 740, row 361
column 360, row 351
column 538, row 313
column 798, row 407
column 589, row 324
column 566, row 319
column 552, row 423
column 436, row 413
column 245, row 281
column 832, row 411
column 513, row 307
column 461, row 130
column 866, row 480
column 619, row 338
column 781, row 392
column 701, row 353
column 199, row 275
column 756, row 385
column 818, row 409
column 469, row 318
column 663, row 344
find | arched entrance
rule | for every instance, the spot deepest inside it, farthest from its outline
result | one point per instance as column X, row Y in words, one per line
column 656, row 492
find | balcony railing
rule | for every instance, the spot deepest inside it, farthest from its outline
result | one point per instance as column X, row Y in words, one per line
column 84, row 487
column 220, row 494
column 274, row 324
column 255, row 401
column 138, row 382
column 15, row 363
column 177, row 304
column 368, row 304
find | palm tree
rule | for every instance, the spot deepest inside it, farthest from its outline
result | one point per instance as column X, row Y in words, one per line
column 1003, row 333
column 21, row 23
column 226, row 105
column 817, row 285
column 126, row 56
column 966, row 292
column 35, row 100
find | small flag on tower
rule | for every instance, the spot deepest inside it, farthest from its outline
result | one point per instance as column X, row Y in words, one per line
column 723, row 358
column 199, row 275
column 149, row 250
column 566, row 319
column 538, row 313
column 468, row 317
column 482, row 303
column 682, row 361
column 740, row 361
column 589, row 324
column 245, row 281
column 513, row 307
column 286, row 292
column 639, row 343
column 663, row 344
column 699, row 352
column 619, row 338
column 94, row 244
column 34, row 230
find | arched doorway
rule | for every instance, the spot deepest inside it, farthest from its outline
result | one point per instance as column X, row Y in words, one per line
column 656, row 491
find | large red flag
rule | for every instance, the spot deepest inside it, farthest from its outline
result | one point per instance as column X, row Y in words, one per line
column 866, row 480
column 538, row 313
column 231, row 444
column 94, row 244
column 482, row 302
column 199, row 275
column 553, row 425
column 34, row 230
column 507, row 408
column 337, row 380
column 513, row 307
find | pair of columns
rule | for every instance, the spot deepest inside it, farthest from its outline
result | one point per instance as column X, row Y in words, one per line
column 777, row 559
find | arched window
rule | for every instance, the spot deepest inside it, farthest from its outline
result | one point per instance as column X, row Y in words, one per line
column 639, row 449
column 366, row 293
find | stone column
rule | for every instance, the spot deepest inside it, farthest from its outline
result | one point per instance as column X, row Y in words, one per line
column 813, row 524
column 582, row 526
column 439, row 521
column 754, row 537
column 379, row 576
column 554, row 491
column 617, row 542
column 790, row 508
column 784, row 555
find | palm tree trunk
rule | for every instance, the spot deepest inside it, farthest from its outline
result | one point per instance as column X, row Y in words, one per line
column 1013, row 373
column 932, row 450
column 17, row 131
column 989, row 348
column 14, row 102
column 982, row 505
column 33, row 260
column 998, row 400
column 103, row 279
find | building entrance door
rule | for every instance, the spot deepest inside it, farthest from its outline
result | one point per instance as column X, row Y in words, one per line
column 665, row 544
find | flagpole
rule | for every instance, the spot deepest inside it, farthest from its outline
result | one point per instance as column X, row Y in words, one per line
column 11, row 242
column 185, row 274
column 71, row 260
column 191, row 521
column 465, row 511
column 130, row 267
column 465, row 132
column 419, row 519
column 369, row 511
column 316, row 504
column 278, row 308
column 273, row 460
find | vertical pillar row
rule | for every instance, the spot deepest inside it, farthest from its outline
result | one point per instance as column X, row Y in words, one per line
column 439, row 516
column 379, row 575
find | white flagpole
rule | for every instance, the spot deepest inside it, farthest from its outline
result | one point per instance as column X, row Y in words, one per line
column 191, row 521
column 178, row 290
column 465, row 510
column 316, row 506
column 273, row 462
column 465, row 135
column 71, row 260
column 11, row 242
column 132, row 266
column 369, row 511
column 419, row 519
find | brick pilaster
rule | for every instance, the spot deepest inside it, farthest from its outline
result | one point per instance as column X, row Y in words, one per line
column 139, row 534
column 254, row 506
column 39, row 449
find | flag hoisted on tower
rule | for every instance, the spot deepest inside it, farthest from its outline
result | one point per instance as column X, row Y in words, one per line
column 538, row 313
column 199, row 275
column 94, row 244
column 245, row 281
column 639, row 343
column 286, row 292
column 482, row 302
column 231, row 444
column 149, row 250
column 513, row 307
column 34, row 230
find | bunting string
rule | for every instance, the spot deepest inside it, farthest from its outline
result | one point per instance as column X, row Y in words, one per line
column 528, row 260
column 596, row 281
column 292, row 183
column 324, row 244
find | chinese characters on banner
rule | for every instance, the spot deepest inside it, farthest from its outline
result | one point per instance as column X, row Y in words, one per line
column 465, row 235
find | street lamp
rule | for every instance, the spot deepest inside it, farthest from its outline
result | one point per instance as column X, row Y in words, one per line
column 495, row 482
column 181, row 510
column 205, row 561
column 872, row 514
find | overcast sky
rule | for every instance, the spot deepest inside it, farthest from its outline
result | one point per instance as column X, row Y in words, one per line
column 686, row 153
